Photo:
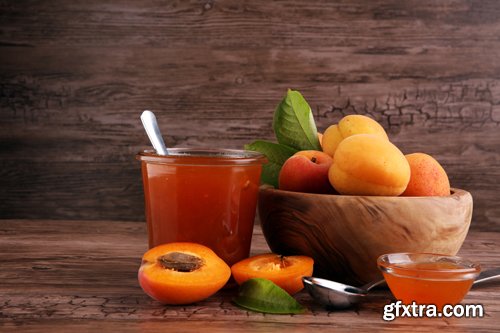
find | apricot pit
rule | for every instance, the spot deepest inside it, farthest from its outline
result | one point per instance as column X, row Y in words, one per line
column 181, row 262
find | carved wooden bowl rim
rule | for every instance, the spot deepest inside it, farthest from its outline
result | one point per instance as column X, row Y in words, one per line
column 455, row 193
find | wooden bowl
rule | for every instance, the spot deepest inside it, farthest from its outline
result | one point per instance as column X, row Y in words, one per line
column 346, row 234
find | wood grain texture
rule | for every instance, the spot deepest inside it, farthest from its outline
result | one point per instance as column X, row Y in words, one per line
column 81, row 276
column 74, row 77
column 346, row 234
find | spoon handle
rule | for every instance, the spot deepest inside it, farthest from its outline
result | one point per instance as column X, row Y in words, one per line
column 153, row 131
column 370, row 285
column 487, row 275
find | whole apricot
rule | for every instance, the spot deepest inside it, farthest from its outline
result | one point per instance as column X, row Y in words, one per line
column 348, row 126
column 182, row 273
column 320, row 138
column 428, row 177
column 306, row 171
column 367, row 164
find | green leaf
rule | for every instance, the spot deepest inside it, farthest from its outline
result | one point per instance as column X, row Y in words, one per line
column 262, row 295
column 276, row 155
column 293, row 123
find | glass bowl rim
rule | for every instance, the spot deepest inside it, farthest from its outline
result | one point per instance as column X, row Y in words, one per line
column 468, row 265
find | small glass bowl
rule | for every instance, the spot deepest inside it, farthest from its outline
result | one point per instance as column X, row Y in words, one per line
column 426, row 278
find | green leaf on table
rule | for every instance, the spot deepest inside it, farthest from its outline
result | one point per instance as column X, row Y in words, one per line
column 262, row 295
column 276, row 155
column 293, row 123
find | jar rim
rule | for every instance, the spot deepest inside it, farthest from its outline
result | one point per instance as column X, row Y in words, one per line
column 202, row 156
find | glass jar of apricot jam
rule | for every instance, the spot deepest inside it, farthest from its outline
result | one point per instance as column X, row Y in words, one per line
column 205, row 196
column 426, row 278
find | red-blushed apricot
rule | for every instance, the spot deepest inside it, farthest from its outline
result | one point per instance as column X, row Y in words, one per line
column 286, row 272
column 306, row 171
column 428, row 177
column 348, row 126
column 366, row 164
column 182, row 273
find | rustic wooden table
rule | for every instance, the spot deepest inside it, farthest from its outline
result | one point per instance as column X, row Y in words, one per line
column 72, row 276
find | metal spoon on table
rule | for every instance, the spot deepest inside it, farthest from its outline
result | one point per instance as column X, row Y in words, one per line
column 150, row 124
column 335, row 294
column 341, row 296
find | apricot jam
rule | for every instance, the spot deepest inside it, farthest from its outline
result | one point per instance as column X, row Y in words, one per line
column 202, row 196
column 428, row 278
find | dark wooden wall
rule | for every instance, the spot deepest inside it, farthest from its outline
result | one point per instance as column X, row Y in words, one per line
column 75, row 75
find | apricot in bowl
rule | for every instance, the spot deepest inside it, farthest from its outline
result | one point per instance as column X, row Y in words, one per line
column 182, row 273
column 428, row 177
column 348, row 126
column 366, row 164
column 306, row 171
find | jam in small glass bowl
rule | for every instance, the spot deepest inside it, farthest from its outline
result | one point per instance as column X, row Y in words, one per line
column 426, row 278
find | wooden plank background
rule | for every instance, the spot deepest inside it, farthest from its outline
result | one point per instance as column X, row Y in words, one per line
column 75, row 75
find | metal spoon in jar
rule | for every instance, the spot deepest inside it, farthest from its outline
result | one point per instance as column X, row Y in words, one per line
column 150, row 124
column 341, row 296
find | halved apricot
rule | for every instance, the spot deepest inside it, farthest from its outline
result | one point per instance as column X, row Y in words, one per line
column 286, row 272
column 182, row 273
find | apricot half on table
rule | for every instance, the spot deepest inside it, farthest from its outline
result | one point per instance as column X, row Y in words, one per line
column 182, row 273
column 286, row 272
